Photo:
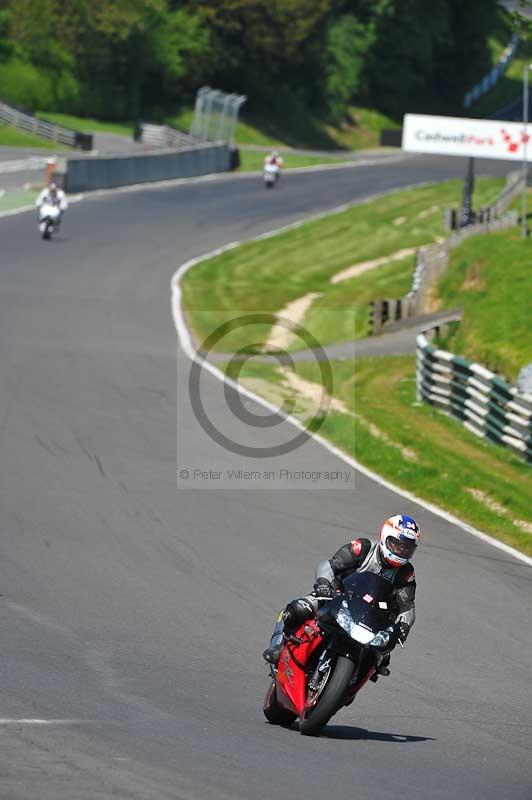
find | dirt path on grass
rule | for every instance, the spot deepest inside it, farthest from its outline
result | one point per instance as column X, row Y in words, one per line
column 281, row 335
column 399, row 341
column 364, row 266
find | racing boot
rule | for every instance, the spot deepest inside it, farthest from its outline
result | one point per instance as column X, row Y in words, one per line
column 288, row 621
column 272, row 653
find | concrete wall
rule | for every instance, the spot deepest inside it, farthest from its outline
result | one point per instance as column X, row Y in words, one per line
column 84, row 174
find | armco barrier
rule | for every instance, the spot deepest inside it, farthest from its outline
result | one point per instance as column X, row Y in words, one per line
column 486, row 214
column 485, row 403
column 431, row 263
column 432, row 259
column 56, row 133
column 84, row 174
column 162, row 136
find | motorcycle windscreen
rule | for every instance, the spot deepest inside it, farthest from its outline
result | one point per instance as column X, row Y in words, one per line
column 368, row 599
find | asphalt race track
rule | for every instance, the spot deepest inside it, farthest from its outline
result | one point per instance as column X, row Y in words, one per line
column 133, row 613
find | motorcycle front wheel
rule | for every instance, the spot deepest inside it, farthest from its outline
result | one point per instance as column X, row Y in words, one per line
column 315, row 717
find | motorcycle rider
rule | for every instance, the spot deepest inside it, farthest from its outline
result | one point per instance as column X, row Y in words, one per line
column 389, row 557
column 54, row 196
column 274, row 160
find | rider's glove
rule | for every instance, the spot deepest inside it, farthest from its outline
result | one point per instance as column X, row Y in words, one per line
column 324, row 588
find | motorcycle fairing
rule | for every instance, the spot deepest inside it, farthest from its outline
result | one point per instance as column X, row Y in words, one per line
column 291, row 676
column 367, row 597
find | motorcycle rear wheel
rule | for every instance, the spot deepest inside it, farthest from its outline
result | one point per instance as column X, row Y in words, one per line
column 274, row 711
column 314, row 719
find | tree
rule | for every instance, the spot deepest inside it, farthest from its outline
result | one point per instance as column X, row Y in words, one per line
column 348, row 42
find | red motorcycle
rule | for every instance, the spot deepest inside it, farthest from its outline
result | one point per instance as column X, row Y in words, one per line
column 323, row 667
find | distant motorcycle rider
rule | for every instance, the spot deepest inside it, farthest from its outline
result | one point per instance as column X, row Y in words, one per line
column 54, row 196
column 389, row 557
column 274, row 160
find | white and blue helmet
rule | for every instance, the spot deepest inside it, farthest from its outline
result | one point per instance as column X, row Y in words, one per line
column 398, row 539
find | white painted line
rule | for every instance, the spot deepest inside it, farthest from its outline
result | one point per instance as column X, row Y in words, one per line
column 24, row 721
column 23, row 209
column 187, row 345
column 23, row 164
column 13, row 211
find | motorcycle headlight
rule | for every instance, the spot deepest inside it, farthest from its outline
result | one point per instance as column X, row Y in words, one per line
column 355, row 631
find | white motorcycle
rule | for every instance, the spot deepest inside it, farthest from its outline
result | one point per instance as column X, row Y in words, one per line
column 271, row 175
column 49, row 219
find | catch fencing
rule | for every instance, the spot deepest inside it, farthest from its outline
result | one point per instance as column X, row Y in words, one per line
column 215, row 115
column 85, row 174
column 485, row 403
column 489, row 80
column 56, row 133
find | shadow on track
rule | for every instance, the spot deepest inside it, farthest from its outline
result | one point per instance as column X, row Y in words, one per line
column 349, row 732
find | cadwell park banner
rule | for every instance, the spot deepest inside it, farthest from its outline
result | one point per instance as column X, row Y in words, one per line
column 458, row 136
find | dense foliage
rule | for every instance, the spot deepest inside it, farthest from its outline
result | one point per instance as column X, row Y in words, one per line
column 120, row 58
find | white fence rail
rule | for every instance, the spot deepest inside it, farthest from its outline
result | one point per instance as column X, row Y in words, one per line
column 485, row 403
column 30, row 124
column 163, row 136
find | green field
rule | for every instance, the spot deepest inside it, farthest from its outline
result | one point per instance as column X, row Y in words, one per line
column 490, row 278
column 377, row 419
column 297, row 128
column 86, row 124
column 17, row 198
column 264, row 276
column 415, row 446
column 11, row 137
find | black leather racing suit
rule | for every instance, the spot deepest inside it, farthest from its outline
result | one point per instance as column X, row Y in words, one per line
column 360, row 555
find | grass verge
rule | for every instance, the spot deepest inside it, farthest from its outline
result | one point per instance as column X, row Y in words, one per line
column 252, row 161
column 18, row 198
column 11, row 137
column 489, row 277
column 264, row 276
column 87, row 125
column 416, row 447
column 295, row 127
